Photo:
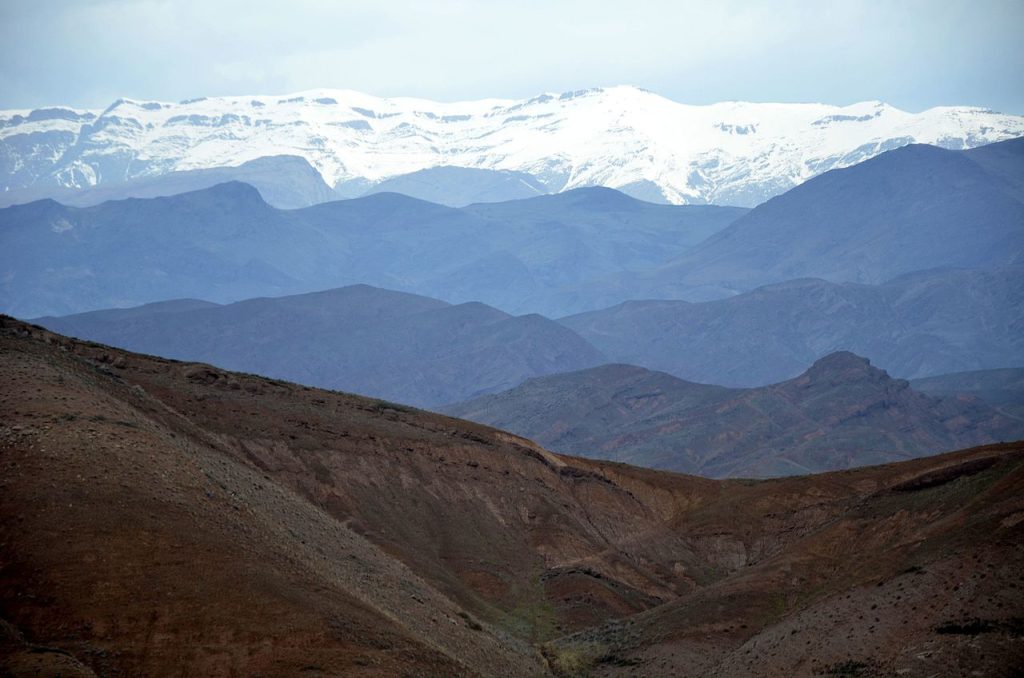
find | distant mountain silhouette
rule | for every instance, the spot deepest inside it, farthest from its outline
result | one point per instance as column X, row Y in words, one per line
column 625, row 137
column 912, row 208
column 907, row 210
column 549, row 254
column 1003, row 162
column 461, row 186
column 215, row 243
column 1003, row 388
column 840, row 413
column 376, row 342
column 917, row 325
column 284, row 181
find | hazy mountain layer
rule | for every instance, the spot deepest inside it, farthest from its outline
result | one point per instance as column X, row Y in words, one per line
column 461, row 186
column 548, row 254
column 730, row 153
column 1000, row 388
column 917, row 325
column 230, row 524
column 911, row 209
column 401, row 347
column 928, row 323
column 283, row 181
column 841, row 413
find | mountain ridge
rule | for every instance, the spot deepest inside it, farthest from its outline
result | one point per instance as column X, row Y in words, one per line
column 237, row 524
column 841, row 412
column 225, row 243
column 436, row 352
column 622, row 137
column 898, row 212
column 919, row 324
column 286, row 182
column 1002, row 388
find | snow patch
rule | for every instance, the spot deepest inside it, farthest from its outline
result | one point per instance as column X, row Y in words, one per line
column 729, row 153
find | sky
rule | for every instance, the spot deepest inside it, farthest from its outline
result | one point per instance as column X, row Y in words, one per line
column 912, row 54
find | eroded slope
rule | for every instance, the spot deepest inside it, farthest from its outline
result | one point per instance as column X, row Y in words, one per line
column 162, row 516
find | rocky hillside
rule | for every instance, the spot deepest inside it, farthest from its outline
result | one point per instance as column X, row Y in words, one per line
column 168, row 517
column 841, row 413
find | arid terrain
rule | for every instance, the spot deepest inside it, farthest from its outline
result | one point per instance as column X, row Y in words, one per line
column 168, row 518
column 841, row 413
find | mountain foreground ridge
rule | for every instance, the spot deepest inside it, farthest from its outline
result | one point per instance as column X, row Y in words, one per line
column 162, row 516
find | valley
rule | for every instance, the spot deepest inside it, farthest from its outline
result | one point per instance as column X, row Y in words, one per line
column 220, row 521
column 581, row 384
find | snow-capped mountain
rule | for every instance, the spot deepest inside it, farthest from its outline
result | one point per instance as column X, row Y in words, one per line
column 621, row 137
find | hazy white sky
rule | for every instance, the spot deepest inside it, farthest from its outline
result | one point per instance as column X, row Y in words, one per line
column 912, row 53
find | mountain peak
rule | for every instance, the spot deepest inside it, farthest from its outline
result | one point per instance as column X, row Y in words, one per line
column 620, row 136
column 841, row 360
column 599, row 197
column 843, row 366
column 238, row 189
column 231, row 192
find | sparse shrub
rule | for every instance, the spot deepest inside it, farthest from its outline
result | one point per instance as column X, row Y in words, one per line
column 576, row 660
column 535, row 621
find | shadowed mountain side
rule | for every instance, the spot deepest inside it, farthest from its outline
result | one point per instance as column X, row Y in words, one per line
column 380, row 343
column 1003, row 389
column 1003, row 162
column 225, row 243
column 284, row 181
column 599, row 215
column 839, row 414
column 215, row 243
column 234, row 524
column 913, row 208
column 927, row 323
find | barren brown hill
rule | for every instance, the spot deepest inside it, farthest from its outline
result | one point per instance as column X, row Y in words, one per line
column 160, row 518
